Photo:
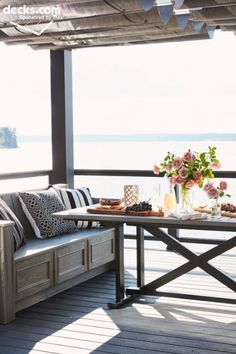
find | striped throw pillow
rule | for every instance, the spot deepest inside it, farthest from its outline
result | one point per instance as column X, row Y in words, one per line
column 76, row 198
column 18, row 232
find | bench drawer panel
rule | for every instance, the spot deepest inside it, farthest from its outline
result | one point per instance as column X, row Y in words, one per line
column 70, row 261
column 34, row 275
column 101, row 249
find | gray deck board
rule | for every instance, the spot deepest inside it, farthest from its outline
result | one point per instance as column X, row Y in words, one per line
column 78, row 320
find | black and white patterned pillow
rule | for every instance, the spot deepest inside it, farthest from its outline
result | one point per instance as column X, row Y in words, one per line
column 76, row 198
column 38, row 207
column 18, row 232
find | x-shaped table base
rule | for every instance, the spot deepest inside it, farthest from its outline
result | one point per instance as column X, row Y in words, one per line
column 194, row 261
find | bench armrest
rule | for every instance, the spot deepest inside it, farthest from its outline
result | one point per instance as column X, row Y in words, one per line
column 7, row 290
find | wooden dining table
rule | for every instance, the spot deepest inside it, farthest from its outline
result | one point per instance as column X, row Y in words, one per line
column 154, row 225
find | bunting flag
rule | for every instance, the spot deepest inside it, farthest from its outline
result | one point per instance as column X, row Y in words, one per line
column 211, row 30
column 183, row 20
column 147, row 4
column 178, row 4
column 197, row 25
column 165, row 13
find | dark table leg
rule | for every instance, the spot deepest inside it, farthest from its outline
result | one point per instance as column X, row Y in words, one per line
column 140, row 256
column 119, row 269
column 119, row 251
column 194, row 260
column 175, row 234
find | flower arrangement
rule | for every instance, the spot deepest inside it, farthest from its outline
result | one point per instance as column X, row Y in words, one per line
column 216, row 192
column 189, row 170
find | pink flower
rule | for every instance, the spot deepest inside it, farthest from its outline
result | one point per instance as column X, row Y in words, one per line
column 213, row 193
column 223, row 185
column 198, row 178
column 156, row 170
column 188, row 156
column 179, row 179
column 172, row 180
column 183, row 171
column 190, row 184
column 168, row 167
column 177, row 163
column 216, row 165
column 207, row 186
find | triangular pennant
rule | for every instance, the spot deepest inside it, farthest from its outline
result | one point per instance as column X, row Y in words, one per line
column 147, row 4
column 183, row 20
column 211, row 30
column 197, row 25
column 165, row 13
column 178, row 4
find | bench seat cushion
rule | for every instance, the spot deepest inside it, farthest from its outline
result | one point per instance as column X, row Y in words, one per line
column 34, row 246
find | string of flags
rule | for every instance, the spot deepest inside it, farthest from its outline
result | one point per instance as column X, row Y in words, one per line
column 167, row 8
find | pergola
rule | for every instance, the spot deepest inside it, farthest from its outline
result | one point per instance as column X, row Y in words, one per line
column 93, row 23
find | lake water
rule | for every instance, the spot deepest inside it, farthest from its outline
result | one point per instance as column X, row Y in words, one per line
column 142, row 155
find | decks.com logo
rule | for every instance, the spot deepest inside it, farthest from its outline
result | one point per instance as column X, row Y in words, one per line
column 41, row 16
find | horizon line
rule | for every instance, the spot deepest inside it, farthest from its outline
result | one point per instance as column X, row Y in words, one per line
column 139, row 137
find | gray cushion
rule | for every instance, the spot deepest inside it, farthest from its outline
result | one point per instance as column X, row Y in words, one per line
column 34, row 246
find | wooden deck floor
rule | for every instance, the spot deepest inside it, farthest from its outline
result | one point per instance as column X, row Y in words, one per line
column 78, row 321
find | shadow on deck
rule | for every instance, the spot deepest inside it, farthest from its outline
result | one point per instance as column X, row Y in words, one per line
column 78, row 321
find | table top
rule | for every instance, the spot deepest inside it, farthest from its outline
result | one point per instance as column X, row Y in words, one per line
column 210, row 223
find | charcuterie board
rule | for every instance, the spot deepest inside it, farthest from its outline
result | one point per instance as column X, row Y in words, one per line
column 207, row 209
column 98, row 209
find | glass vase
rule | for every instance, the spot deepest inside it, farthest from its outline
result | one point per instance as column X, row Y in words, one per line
column 186, row 202
column 215, row 207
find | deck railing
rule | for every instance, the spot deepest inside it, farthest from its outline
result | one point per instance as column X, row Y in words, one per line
column 93, row 172
column 25, row 174
column 139, row 173
column 114, row 173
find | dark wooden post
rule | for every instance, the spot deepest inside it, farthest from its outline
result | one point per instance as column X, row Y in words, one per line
column 62, row 117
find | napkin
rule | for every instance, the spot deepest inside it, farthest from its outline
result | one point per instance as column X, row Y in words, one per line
column 188, row 215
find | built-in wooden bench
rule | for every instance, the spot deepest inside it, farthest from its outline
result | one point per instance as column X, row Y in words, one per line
column 42, row 268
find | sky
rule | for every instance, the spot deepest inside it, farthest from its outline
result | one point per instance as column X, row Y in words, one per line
column 177, row 87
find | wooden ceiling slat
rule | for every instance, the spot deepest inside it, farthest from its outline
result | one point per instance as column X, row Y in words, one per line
column 117, row 38
column 218, row 12
column 206, row 3
column 229, row 28
column 174, row 38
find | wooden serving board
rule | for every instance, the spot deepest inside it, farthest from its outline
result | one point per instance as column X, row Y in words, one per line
column 111, row 211
column 207, row 209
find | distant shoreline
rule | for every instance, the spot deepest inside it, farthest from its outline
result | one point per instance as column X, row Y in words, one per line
column 87, row 138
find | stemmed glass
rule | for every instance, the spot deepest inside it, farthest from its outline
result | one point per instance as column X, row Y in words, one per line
column 155, row 198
